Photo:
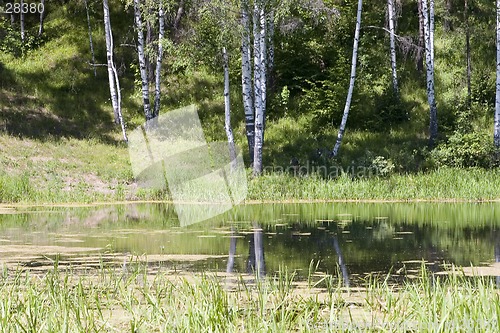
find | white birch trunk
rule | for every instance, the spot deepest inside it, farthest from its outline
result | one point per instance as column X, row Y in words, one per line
column 109, row 58
column 161, row 33
column 259, row 117
column 496, row 132
column 270, row 52
column 246, row 79
column 430, row 74
column 232, row 252
column 351, row 83
column 390, row 9
column 431, row 30
column 91, row 42
column 467, row 53
column 42, row 16
column 22, row 21
column 263, row 65
column 114, row 84
column 142, row 61
column 260, row 268
column 227, row 111
column 119, row 103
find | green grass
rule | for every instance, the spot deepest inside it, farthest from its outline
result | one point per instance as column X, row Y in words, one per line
column 72, row 170
column 106, row 300
column 440, row 184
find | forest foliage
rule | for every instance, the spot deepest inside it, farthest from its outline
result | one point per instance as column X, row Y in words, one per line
column 313, row 46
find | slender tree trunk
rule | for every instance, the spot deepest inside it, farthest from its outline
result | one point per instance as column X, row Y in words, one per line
column 467, row 53
column 227, row 111
column 260, row 269
column 142, row 61
column 421, row 38
column 270, row 52
column 92, row 44
column 390, row 9
column 177, row 20
column 109, row 57
column 263, row 65
column 431, row 30
column 232, row 252
column 351, row 83
column 161, row 33
column 114, row 83
column 119, row 100
column 246, row 79
column 148, row 43
column 12, row 19
column 447, row 26
column 22, row 22
column 42, row 16
column 257, row 78
column 429, row 59
column 343, row 267
column 496, row 133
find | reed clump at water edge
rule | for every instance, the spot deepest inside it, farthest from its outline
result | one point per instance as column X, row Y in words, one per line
column 107, row 300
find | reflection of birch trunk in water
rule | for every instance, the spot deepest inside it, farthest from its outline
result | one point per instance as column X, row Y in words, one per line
column 255, row 263
column 497, row 257
column 343, row 268
column 232, row 252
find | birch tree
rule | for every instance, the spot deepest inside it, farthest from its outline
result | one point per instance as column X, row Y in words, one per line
column 260, row 64
column 114, row 83
column 428, row 12
column 142, row 61
column 351, row 82
column 270, row 49
column 421, row 38
column 467, row 52
column 390, row 10
column 227, row 109
column 92, row 44
column 42, row 17
column 496, row 131
column 22, row 21
column 161, row 33
column 246, row 78
column 109, row 58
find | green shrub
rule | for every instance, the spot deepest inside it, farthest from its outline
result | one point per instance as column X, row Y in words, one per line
column 465, row 150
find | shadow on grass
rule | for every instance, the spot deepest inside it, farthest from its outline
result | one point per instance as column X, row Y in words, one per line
column 52, row 92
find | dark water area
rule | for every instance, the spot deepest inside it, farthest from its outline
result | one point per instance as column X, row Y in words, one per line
column 354, row 239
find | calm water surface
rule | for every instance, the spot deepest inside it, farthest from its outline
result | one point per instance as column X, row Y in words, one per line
column 356, row 239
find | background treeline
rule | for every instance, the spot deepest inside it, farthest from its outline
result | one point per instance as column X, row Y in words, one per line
column 48, row 88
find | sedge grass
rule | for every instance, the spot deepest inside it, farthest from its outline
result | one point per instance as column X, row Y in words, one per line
column 111, row 301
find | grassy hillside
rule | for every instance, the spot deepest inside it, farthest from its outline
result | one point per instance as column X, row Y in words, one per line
column 59, row 142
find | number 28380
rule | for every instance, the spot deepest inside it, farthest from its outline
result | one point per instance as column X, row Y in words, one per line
column 25, row 8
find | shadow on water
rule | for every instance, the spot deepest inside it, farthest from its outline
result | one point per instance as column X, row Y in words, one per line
column 353, row 239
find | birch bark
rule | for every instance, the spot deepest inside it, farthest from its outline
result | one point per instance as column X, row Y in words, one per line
column 496, row 131
column 161, row 33
column 109, row 58
column 227, row 111
column 352, row 80
column 246, row 79
column 22, row 21
column 142, row 61
column 114, row 83
column 421, row 38
column 91, row 42
column 259, row 116
column 42, row 16
column 429, row 59
column 467, row 52
column 390, row 10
